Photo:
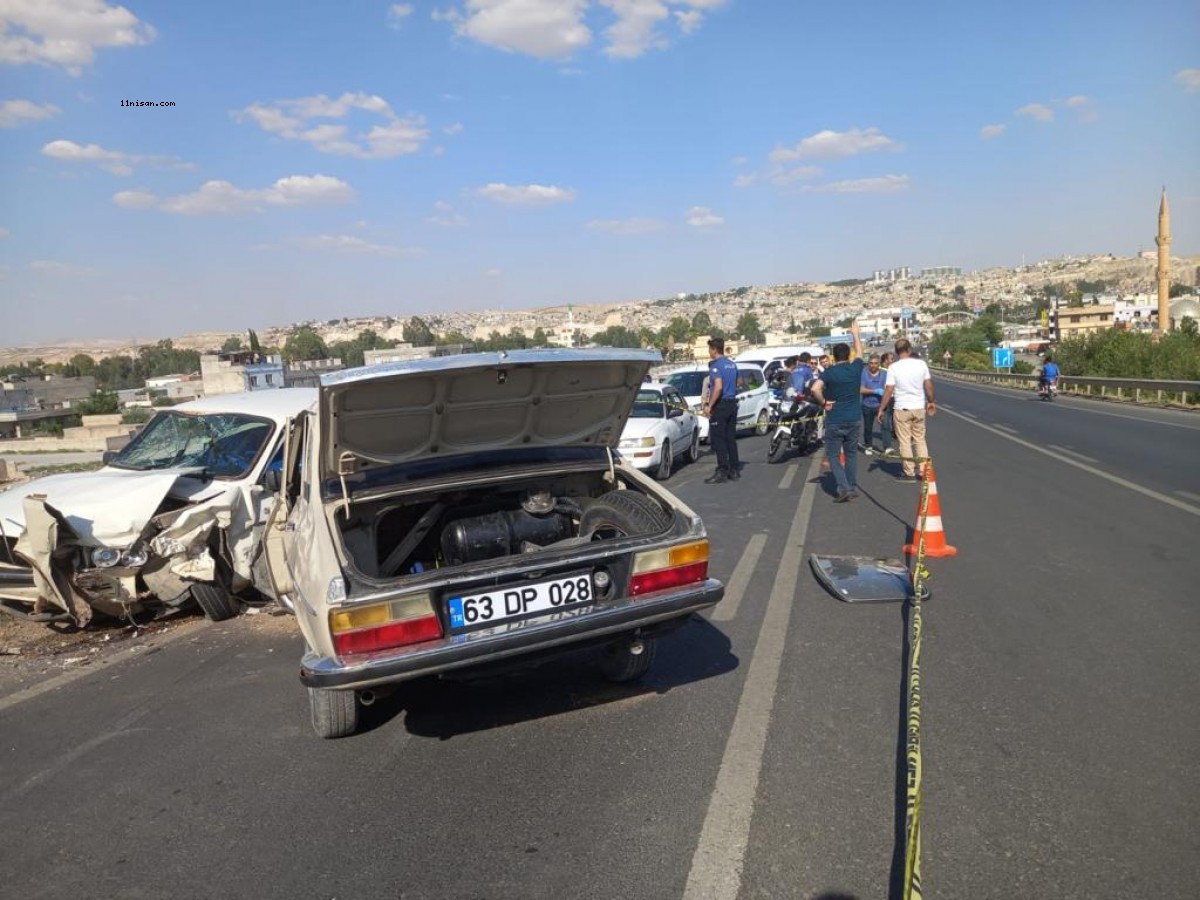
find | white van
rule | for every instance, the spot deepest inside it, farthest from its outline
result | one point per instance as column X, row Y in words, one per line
column 771, row 359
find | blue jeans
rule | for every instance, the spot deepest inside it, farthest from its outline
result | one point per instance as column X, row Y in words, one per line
column 842, row 437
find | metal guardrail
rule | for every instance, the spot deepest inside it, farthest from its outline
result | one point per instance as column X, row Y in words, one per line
column 1136, row 390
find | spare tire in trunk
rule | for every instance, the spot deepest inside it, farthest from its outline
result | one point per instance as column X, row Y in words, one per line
column 623, row 514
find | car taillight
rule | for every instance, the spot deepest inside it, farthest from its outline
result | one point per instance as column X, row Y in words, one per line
column 658, row 570
column 382, row 626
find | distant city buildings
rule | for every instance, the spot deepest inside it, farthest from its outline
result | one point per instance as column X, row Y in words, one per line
column 880, row 276
column 941, row 271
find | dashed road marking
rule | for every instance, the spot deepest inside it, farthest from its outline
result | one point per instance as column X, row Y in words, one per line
column 716, row 872
column 1189, row 495
column 1107, row 476
column 789, row 476
column 1072, row 453
column 1003, row 428
column 740, row 579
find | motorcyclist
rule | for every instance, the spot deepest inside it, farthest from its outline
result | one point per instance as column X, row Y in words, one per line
column 1050, row 373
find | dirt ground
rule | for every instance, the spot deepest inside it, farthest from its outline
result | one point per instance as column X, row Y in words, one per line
column 31, row 652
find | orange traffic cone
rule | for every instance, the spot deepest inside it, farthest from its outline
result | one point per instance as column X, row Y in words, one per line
column 935, row 535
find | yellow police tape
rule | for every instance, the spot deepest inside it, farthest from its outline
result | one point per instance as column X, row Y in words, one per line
column 912, row 802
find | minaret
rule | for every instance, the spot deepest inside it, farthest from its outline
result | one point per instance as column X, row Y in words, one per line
column 1164, row 264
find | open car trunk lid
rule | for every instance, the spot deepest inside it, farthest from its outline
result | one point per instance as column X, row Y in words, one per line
column 423, row 409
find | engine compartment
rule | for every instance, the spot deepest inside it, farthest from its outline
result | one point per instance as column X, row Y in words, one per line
column 405, row 536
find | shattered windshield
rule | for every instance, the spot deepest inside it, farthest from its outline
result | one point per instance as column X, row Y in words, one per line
column 225, row 445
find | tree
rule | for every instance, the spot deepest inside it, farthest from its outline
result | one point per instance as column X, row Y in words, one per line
column 1176, row 290
column 679, row 330
column 135, row 415
column 99, row 403
column 305, row 343
column 82, row 364
column 701, row 323
column 617, row 336
column 749, row 329
column 232, row 344
column 255, row 347
column 418, row 333
column 959, row 291
column 539, row 337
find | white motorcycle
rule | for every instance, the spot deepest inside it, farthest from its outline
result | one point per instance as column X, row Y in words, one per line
column 800, row 428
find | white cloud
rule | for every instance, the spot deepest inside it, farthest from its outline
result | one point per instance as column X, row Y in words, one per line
column 557, row 30
column 115, row 161
column 835, row 144
column 446, row 216
column 65, row 32
column 18, row 112
column 55, row 267
column 347, row 243
column 1190, row 79
column 1077, row 100
column 454, row 129
column 885, row 184
column 987, row 132
column 526, row 194
column 702, row 217
column 747, row 179
column 225, row 198
column 296, row 120
column 398, row 12
column 545, row 29
column 626, row 226
column 1037, row 111
column 778, row 175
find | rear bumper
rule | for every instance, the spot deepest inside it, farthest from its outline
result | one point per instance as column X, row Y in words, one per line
column 462, row 651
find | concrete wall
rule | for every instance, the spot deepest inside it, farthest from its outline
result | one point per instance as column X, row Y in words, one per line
column 49, row 444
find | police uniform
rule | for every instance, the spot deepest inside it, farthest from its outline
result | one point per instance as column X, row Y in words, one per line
column 722, row 428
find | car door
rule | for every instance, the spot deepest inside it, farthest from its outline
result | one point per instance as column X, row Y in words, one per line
column 279, row 538
column 749, row 382
column 681, row 423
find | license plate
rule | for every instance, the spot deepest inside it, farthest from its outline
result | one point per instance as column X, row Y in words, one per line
column 519, row 601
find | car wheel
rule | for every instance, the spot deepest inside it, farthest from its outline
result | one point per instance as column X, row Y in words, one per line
column 693, row 450
column 763, row 423
column 621, row 514
column 216, row 602
column 774, row 453
column 665, row 462
column 334, row 713
column 627, row 659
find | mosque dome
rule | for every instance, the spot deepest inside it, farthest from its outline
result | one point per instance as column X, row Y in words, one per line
column 1185, row 308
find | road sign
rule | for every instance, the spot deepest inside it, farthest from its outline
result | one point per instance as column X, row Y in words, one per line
column 1002, row 358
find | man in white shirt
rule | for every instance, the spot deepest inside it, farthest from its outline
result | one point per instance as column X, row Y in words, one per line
column 911, row 386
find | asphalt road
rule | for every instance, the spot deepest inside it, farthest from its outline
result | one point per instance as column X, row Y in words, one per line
column 759, row 758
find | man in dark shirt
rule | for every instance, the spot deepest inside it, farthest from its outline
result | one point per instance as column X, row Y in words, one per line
column 838, row 387
column 722, row 412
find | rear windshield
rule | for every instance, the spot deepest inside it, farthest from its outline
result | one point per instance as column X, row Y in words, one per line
column 690, row 384
column 648, row 405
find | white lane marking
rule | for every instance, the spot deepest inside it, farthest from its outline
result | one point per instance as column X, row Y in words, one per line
column 738, row 581
column 716, row 872
column 1000, row 427
column 159, row 640
column 1189, row 495
column 969, row 415
column 1072, row 453
column 789, row 476
column 1107, row 476
column 1083, row 407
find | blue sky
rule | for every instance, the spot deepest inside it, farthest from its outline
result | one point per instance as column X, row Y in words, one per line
column 347, row 158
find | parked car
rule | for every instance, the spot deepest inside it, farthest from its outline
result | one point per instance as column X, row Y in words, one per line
column 177, row 515
column 660, row 429
column 445, row 514
column 753, row 396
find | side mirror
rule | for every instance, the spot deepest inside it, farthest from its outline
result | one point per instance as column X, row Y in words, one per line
column 674, row 412
column 109, row 456
column 272, row 481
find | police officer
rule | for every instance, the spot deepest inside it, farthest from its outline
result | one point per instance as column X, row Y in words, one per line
column 722, row 412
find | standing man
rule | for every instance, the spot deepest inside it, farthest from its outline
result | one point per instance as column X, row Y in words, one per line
column 722, row 412
column 873, row 381
column 911, row 386
column 840, row 385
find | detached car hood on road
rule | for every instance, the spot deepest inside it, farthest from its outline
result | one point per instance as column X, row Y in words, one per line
column 109, row 507
column 399, row 412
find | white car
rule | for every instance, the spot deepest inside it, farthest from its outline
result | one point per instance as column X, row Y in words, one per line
column 177, row 515
column 753, row 395
column 660, row 429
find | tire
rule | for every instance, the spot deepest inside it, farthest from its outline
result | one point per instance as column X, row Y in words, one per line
column 665, row 463
column 763, row 423
column 775, row 450
column 692, row 454
column 216, row 602
column 334, row 713
column 622, row 514
column 619, row 664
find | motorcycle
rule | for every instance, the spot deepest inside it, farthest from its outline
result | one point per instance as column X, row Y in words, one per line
column 1048, row 390
column 801, row 429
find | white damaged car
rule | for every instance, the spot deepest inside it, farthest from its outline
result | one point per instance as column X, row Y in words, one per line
column 177, row 515
column 446, row 514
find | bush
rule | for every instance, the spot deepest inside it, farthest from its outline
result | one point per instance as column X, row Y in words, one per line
column 135, row 415
column 162, row 401
column 1020, row 367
